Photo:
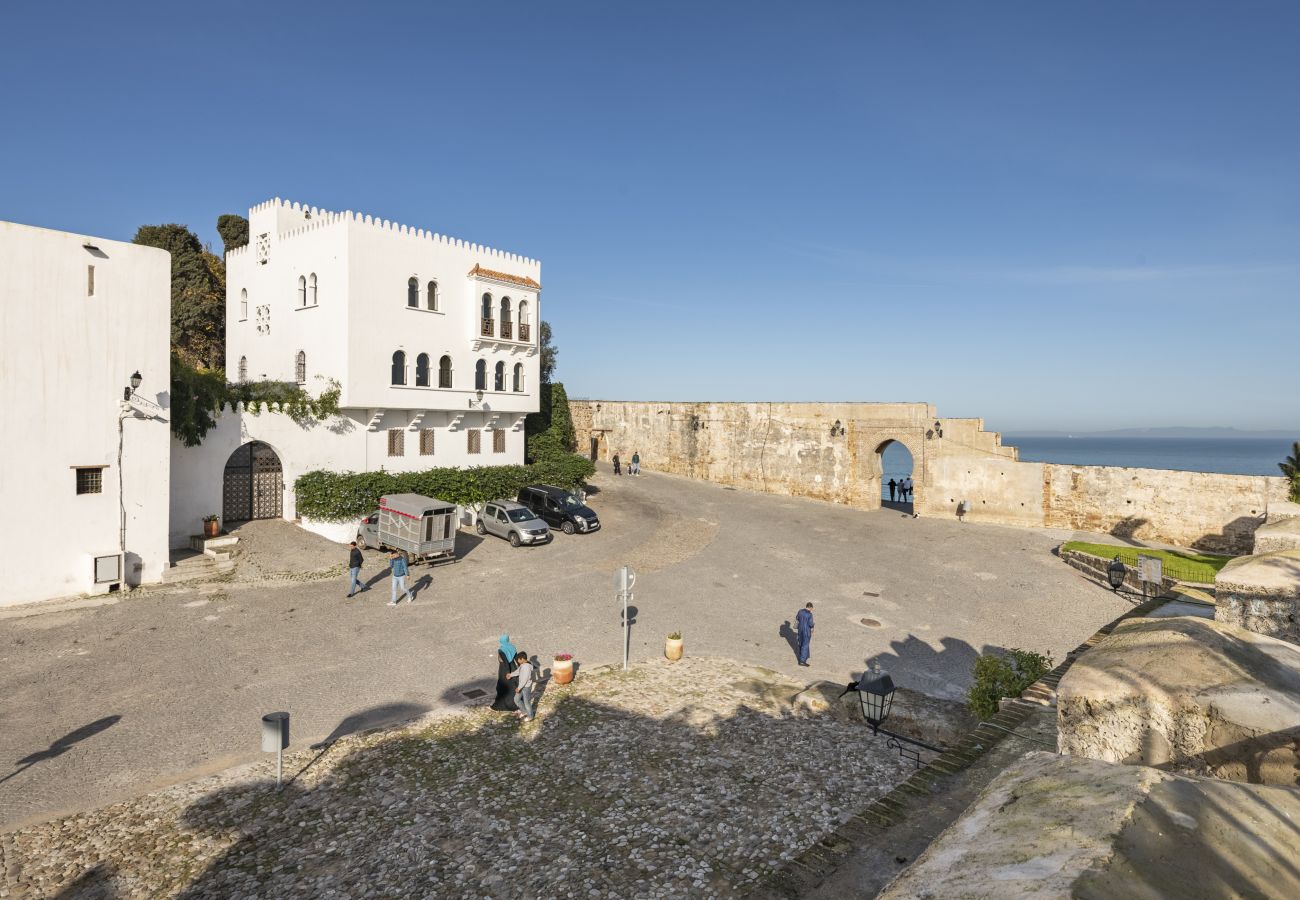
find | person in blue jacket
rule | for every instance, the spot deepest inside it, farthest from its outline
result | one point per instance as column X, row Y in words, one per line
column 397, row 564
column 804, row 622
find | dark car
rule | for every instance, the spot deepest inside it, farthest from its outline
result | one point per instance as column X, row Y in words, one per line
column 559, row 508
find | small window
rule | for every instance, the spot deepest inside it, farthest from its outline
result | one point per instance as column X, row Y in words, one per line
column 396, row 442
column 90, row 480
column 444, row 372
column 499, row 377
column 302, row 290
column 431, row 298
column 243, row 368
column 311, row 283
column 426, row 442
column 473, row 438
column 90, row 281
column 399, row 368
column 243, row 304
column 413, row 293
column 498, row 441
column 422, row 370
column 480, row 375
column 519, row 376
column 300, row 367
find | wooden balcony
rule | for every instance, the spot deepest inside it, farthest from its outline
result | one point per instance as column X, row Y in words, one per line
column 507, row 330
column 486, row 330
column 524, row 331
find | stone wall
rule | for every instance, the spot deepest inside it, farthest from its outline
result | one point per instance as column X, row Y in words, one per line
column 830, row 451
column 1262, row 594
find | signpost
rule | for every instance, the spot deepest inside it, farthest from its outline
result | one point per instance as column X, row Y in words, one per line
column 1150, row 571
column 624, row 578
column 146, row 408
column 275, row 738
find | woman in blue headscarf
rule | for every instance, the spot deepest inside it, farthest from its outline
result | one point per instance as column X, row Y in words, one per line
column 506, row 652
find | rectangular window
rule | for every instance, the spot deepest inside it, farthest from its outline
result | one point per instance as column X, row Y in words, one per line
column 498, row 441
column 396, row 442
column 426, row 442
column 90, row 281
column 90, row 480
column 474, row 436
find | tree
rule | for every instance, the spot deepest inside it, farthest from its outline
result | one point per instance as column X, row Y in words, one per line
column 198, row 293
column 549, row 431
column 233, row 230
column 548, row 353
column 1291, row 469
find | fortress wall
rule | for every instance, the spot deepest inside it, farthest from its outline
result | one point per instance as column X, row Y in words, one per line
column 789, row 448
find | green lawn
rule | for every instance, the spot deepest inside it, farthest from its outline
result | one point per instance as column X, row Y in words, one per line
column 1183, row 565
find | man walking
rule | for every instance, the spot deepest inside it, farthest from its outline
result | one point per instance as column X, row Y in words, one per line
column 354, row 568
column 636, row 462
column 397, row 565
column 804, row 622
column 893, row 486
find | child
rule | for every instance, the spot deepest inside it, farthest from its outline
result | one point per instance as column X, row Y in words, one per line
column 524, row 686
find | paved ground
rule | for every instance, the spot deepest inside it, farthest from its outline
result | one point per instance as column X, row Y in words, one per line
column 100, row 702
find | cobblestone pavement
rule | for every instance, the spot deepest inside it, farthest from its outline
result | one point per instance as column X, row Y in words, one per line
column 666, row 780
column 98, row 703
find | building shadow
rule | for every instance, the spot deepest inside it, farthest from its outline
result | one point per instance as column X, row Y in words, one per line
column 916, row 665
column 93, row 884
column 897, row 506
column 467, row 542
column 63, row 744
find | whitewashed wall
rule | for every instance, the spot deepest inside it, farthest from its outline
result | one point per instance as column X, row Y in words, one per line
column 65, row 357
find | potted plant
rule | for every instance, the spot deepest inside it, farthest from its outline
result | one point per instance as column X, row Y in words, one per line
column 211, row 526
column 673, row 646
column 562, row 668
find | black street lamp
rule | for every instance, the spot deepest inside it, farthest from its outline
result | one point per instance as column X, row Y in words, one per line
column 876, row 694
column 135, row 383
column 1115, row 574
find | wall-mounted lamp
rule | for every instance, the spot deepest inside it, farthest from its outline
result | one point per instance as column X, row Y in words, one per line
column 135, row 383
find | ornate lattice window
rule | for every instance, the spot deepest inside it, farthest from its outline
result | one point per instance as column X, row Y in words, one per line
column 426, row 442
column 300, row 367
column 498, row 441
column 473, row 440
column 396, row 442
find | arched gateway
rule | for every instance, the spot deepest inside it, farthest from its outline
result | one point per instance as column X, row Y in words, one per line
column 254, row 485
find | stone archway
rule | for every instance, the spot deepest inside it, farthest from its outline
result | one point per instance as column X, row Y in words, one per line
column 896, row 462
column 870, row 446
column 252, row 484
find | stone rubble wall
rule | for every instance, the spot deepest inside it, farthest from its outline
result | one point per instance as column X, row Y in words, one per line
column 829, row 451
column 1261, row 593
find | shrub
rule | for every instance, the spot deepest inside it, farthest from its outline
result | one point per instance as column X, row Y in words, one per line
column 675, row 636
column 338, row 496
column 998, row 676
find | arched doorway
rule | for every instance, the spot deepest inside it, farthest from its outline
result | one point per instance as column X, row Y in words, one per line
column 895, row 464
column 253, row 486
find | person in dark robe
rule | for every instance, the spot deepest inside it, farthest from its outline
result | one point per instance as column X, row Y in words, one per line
column 893, row 486
column 506, row 653
column 804, row 623
column 617, row 465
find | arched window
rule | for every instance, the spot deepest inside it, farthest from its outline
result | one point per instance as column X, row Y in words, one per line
column 302, row 290
column 422, row 370
column 480, row 375
column 499, row 381
column 243, row 304
column 300, row 367
column 413, row 293
column 519, row 376
column 524, row 325
column 486, row 330
column 311, row 283
column 243, row 368
column 507, row 328
column 444, row 372
column 431, row 297
column 399, row 367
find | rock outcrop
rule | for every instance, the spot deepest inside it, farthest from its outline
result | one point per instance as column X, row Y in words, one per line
column 1056, row 827
column 1189, row 694
column 1262, row 593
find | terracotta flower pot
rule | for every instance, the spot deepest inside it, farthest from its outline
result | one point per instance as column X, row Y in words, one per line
column 211, row 528
column 673, row 648
column 562, row 671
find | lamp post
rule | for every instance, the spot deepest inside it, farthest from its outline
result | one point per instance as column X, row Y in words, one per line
column 135, row 384
column 1115, row 574
column 876, row 696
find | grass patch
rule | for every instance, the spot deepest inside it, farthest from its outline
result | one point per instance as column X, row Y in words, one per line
column 1182, row 565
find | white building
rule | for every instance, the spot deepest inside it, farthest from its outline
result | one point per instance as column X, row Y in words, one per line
column 432, row 341
column 83, row 475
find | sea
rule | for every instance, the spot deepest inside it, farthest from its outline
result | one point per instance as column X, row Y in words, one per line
column 1232, row 455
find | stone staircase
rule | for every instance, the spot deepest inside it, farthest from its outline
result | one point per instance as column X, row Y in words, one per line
column 207, row 558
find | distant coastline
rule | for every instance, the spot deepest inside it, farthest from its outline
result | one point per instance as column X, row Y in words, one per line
column 1169, row 432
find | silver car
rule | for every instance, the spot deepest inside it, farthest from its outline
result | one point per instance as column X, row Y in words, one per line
column 514, row 522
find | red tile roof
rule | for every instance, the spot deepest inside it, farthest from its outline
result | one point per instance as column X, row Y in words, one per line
column 505, row 276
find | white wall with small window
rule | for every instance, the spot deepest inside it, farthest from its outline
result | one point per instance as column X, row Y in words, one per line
column 104, row 307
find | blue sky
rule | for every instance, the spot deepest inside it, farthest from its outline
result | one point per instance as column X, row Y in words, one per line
column 1050, row 215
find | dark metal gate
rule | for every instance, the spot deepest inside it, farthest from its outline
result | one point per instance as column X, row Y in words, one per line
column 254, row 487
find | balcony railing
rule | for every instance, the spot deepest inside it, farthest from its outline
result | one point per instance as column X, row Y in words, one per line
column 524, row 329
column 507, row 330
column 486, row 330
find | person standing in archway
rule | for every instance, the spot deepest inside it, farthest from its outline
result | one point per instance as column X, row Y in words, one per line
column 893, row 486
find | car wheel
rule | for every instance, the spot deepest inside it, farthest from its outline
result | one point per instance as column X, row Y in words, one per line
column 479, row 526
column 567, row 528
column 514, row 539
column 361, row 542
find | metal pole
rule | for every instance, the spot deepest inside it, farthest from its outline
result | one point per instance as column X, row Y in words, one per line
column 626, row 635
column 279, row 769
